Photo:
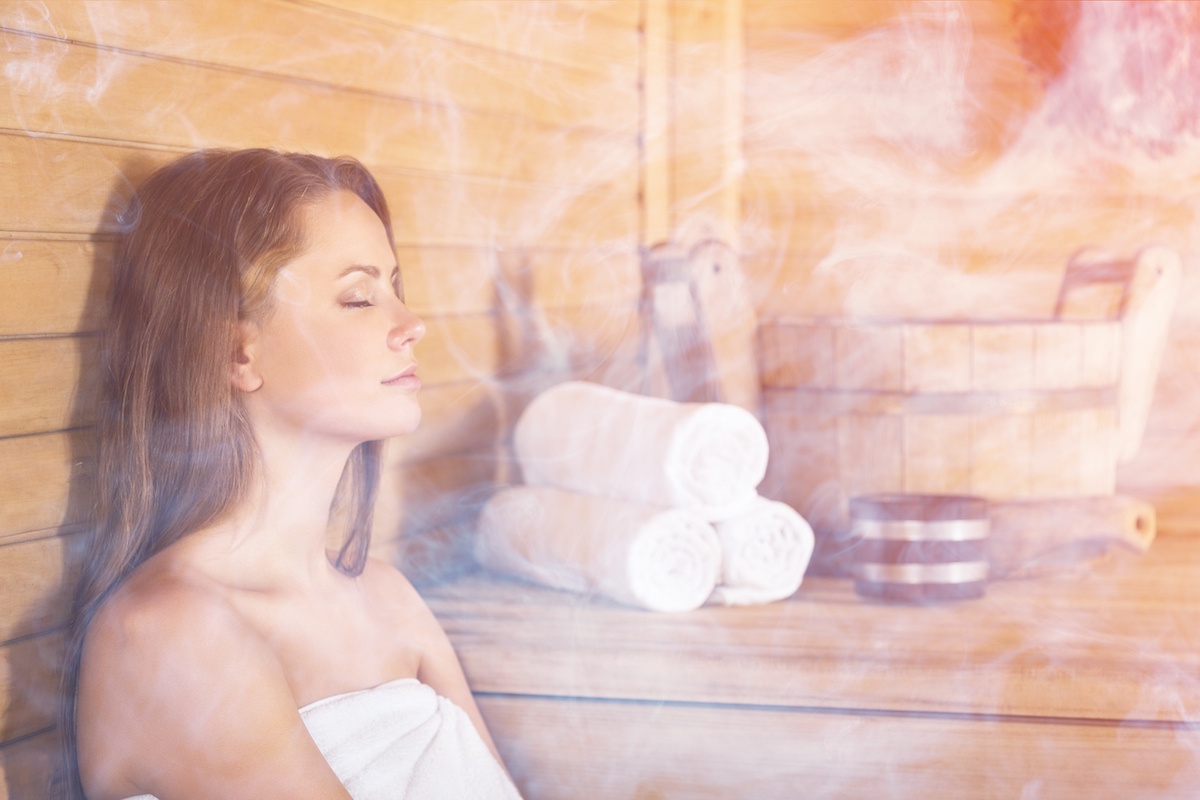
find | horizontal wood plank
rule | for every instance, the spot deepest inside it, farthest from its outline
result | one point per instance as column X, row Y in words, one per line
column 52, row 287
column 588, row 35
column 60, row 287
column 37, row 578
column 26, row 767
column 350, row 52
column 30, row 670
column 121, row 96
column 847, row 17
column 433, row 209
column 1117, row 644
column 57, row 186
column 50, row 384
column 475, row 280
column 47, row 483
column 567, row 749
column 458, row 348
column 47, row 384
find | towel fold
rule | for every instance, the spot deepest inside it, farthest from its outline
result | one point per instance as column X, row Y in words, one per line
column 765, row 551
column 663, row 559
column 403, row 740
column 705, row 457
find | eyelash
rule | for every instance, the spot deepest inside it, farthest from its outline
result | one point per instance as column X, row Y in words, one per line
column 357, row 304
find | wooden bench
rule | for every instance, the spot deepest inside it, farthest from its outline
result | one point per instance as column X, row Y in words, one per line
column 1084, row 685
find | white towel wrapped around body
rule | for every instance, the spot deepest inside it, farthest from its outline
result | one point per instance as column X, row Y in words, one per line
column 705, row 457
column 663, row 559
column 765, row 551
column 403, row 741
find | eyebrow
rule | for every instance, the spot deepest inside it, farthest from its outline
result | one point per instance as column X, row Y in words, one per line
column 367, row 268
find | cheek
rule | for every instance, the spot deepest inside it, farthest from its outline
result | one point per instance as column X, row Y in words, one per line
column 304, row 358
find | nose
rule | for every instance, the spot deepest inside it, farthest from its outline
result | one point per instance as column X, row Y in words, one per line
column 407, row 330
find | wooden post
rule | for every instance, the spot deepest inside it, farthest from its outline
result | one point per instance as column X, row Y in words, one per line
column 655, row 133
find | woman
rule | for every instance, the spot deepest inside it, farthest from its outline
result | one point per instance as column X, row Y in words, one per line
column 258, row 350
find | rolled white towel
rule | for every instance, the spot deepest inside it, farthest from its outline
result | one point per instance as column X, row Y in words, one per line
column 705, row 457
column 663, row 559
column 765, row 552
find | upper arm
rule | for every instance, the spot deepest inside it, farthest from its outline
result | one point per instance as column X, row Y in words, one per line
column 180, row 698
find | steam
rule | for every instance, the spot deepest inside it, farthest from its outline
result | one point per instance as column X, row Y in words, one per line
column 934, row 159
column 918, row 168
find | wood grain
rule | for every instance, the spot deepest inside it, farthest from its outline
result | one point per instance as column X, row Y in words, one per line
column 116, row 95
column 1057, row 356
column 869, row 357
column 585, row 35
column 656, row 124
column 26, row 767
column 937, row 358
column 1002, row 357
column 870, row 454
column 59, row 186
column 36, row 576
column 796, row 354
column 803, row 468
column 1117, row 643
column 1101, row 359
column 1056, row 467
column 60, row 286
column 457, row 348
column 47, row 482
column 585, row 749
column 52, row 287
column 29, row 684
column 1001, row 456
column 312, row 41
column 47, row 384
column 937, row 454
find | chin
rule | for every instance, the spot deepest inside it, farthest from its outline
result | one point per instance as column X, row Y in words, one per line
column 406, row 426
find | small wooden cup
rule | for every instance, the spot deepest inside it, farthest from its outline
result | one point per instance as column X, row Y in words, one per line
column 914, row 547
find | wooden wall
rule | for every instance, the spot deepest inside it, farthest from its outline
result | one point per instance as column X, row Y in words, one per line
column 506, row 136
column 529, row 149
column 905, row 159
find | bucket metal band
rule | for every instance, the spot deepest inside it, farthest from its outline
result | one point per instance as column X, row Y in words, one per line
column 955, row 572
column 908, row 530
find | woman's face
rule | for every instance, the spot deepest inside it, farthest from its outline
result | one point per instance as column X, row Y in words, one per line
column 335, row 355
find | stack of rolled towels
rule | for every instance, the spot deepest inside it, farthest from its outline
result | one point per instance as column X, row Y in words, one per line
column 648, row 501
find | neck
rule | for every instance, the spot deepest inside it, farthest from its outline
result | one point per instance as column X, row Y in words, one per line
column 277, row 539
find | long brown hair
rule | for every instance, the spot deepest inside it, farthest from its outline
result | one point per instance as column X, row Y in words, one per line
column 199, row 247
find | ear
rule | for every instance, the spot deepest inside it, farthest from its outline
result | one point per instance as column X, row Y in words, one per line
column 244, row 367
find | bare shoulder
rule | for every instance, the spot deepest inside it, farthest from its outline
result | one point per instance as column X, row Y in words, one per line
column 179, row 696
column 156, row 639
column 152, row 622
column 386, row 582
column 391, row 595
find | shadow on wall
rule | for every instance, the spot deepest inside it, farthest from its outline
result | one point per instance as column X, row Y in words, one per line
column 36, row 656
column 469, row 449
column 470, row 452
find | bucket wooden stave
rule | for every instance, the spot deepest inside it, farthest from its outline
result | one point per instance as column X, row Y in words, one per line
column 1003, row 410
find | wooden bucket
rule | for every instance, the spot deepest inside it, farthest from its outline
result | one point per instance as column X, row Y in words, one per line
column 1002, row 409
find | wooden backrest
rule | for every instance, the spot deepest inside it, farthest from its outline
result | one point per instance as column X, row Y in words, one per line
column 504, row 134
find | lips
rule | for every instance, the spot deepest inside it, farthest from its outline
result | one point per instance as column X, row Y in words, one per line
column 407, row 379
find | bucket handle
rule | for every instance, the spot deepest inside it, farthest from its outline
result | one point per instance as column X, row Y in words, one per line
column 1150, row 284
